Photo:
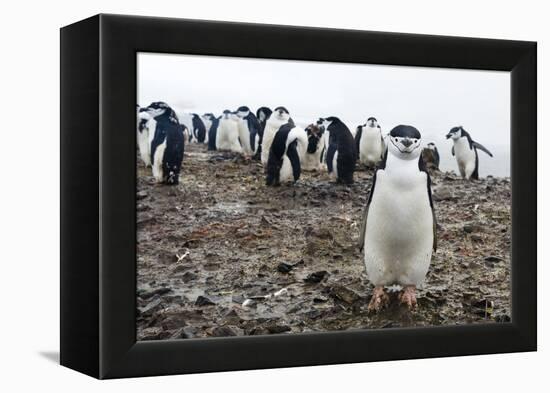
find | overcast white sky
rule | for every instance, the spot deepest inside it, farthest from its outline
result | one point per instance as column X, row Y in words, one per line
column 430, row 99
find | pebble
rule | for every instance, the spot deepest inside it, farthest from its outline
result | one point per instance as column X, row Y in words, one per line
column 203, row 301
column 316, row 277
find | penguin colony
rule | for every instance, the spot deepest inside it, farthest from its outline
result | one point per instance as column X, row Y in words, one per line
column 398, row 229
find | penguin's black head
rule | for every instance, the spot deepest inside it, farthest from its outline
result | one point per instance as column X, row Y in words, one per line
column 263, row 113
column 281, row 113
column 372, row 122
column 404, row 141
column 159, row 108
column 431, row 146
column 455, row 133
column 243, row 111
column 227, row 114
column 209, row 116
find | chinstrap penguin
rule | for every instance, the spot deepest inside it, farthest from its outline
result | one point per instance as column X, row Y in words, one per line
column 145, row 129
column 465, row 151
column 398, row 232
column 341, row 151
column 313, row 159
column 227, row 135
column 430, row 155
column 212, row 129
column 370, row 143
column 288, row 147
column 167, row 145
column 249, row 129
column 262, row 114
column 279, row 117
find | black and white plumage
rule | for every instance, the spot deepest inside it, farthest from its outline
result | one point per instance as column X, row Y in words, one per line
column 313, row 158
column 286, row 151
column 262, row 114
column 430, row 155
column 399, row 228
column 278, row 118
column 249, row 130
column 465, row 151
column 341, row 151
column 211, row 122
column 145, row 129
column 167, row 144
column 194, row 125
column 227, row 135
column 370, row 143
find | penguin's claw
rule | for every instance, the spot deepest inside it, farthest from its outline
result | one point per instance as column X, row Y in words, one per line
column 408, row 297
column 379, row 300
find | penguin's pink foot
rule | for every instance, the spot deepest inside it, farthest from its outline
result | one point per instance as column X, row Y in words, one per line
column 407, row 297
column 379, row 300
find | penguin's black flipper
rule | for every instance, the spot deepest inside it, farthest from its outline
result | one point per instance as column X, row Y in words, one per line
column 292, row 154
column 330, row 157
column 482, row 148
column 453, row 150
column 436, row 154
column 358, row 137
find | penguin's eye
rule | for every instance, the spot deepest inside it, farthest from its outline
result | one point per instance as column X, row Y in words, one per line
column 395, row 139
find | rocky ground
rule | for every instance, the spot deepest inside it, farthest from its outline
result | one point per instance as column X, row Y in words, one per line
column 223, row 255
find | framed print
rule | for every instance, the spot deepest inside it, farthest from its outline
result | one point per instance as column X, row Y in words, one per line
column 270, row 196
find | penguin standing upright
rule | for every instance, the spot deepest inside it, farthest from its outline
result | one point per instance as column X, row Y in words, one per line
column 465, row 151
column 279, row 117
column 167, row 144
column 212, row 129
column 313, row 158
column 199, row 129
column 262, row 114
column 227, row 135
column 287, row 149
column 370, row 143
column 145, row 128
column 249, row 128
column 430, row 155
column 341, row 152
column 398, row 232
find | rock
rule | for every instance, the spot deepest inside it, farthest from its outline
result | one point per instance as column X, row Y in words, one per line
column 476, row 238
column 503, row 318
column 154, row 333
column 181, row 333
column 443, row 194
column 141, row 195
column 188, row 276
column 472, row 228
column 278, row 329
column 225, row 331
column 493, row 259
column 344, row 294
column 316, row 277
column 203, row 301
column 483, row 307
column 158, row 291
column 142, row 207
column 284, row 267
column 152, row 307
column 320, row 299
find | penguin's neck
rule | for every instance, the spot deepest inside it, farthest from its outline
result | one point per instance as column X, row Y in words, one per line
column 401, row 165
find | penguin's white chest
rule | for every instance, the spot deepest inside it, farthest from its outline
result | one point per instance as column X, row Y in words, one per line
column 465, row 157
column 399, row 231
column 370, row 146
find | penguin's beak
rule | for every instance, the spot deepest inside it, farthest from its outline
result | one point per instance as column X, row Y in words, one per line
column 449, row 135
column 406, row 142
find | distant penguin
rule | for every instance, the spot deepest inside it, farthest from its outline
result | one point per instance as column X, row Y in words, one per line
column 313, row 158
column 249, row 129
column 279, row 117
column 262, row 114
column 206, row 120
column 370, row 143
column 398, row 232
column 199, row 129
column 465, row 151
column 212, row 123
column 145, row 129
column 430, row 155
column 227, row 135
column 289, row 145
column 167, row 144
column 341, row 151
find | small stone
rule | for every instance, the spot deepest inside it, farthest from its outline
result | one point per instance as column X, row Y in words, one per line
column 278, row 329
column 203, row 301
column 344, row 294
column 225, row 331
column 503, row 318
column 443, row 194
column 188, row 276
column 142, row 207
column 158, row 291
column 476, row 238
column 284, row 267
column 316, row 277
column 141, row 195
column 152, row 307
column 493, row 259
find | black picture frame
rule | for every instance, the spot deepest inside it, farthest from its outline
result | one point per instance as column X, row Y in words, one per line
column 98, row 175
